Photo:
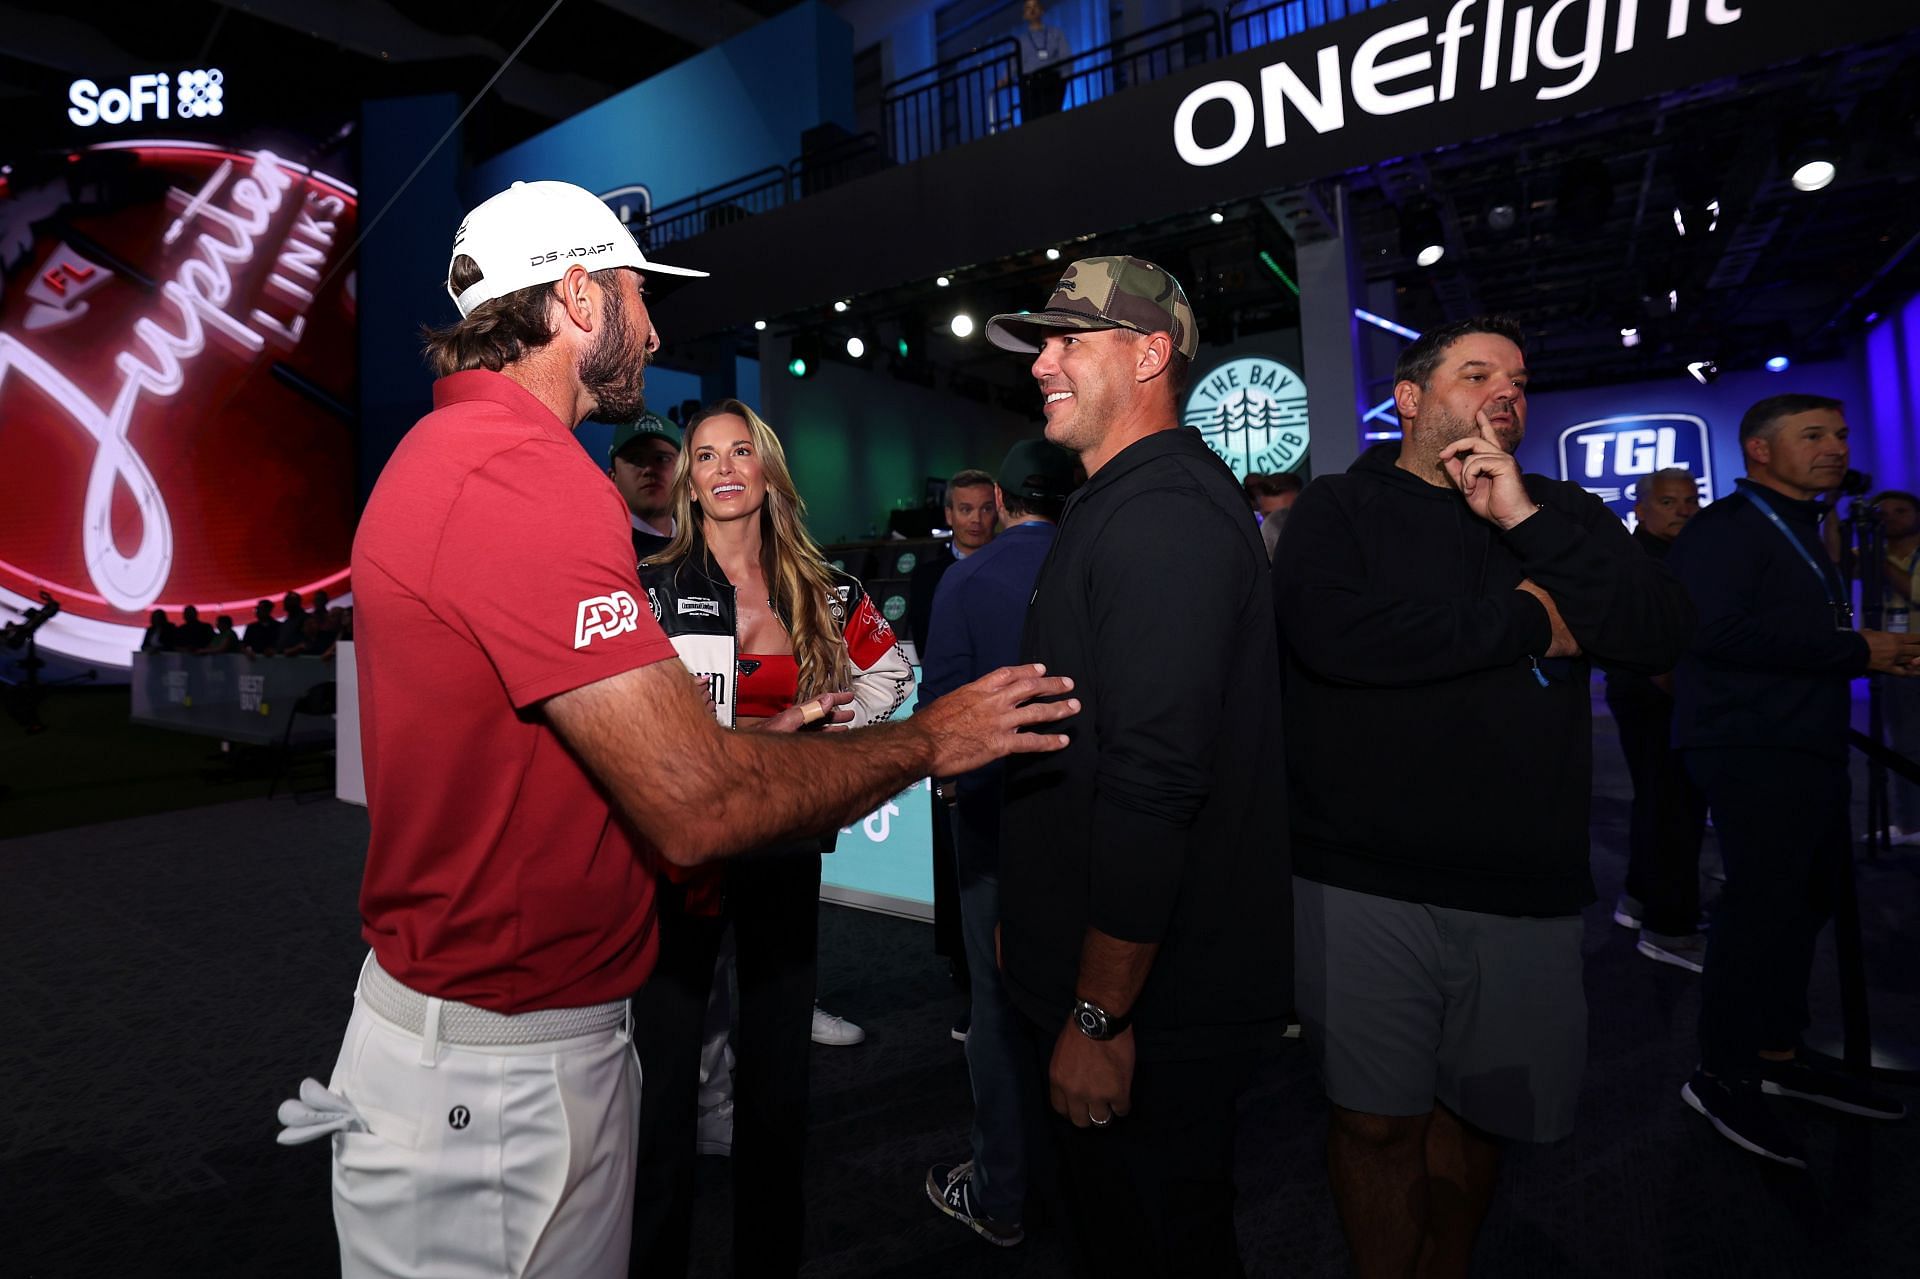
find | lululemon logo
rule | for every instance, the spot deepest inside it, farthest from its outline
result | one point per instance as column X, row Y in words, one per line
column 459, row 1117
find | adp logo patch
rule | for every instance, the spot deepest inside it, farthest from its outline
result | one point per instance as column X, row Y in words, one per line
column 1611, row 456
column 1253, row 413
column 605, row 615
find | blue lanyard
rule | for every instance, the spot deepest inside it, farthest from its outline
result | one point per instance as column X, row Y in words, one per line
column 1842, row 607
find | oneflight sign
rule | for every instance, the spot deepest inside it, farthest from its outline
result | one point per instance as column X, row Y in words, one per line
column 1481, row 45
column 187, row 96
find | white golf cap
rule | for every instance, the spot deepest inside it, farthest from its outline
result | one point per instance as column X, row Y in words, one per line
column 533, row 231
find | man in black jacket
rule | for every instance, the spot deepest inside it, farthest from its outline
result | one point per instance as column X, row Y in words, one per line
column 1669, row 815
column 1761, row 709
column 1143, row 886
column 1439, row 610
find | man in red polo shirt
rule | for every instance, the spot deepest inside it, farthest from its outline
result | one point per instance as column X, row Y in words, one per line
column 531, row 757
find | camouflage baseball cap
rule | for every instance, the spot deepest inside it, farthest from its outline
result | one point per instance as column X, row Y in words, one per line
column 1104, row 293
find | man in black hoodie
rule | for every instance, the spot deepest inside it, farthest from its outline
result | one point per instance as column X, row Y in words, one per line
column 1439, row 609
column 1143, row 889
column 1760, row 713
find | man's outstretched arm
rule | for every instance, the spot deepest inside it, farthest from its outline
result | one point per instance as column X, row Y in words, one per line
column 698, row 792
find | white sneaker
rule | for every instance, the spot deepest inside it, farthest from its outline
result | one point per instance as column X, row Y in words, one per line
column 834, row 1032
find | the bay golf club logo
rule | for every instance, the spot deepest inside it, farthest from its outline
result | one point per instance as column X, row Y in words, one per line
column 1253, row 413
column 1611, row 456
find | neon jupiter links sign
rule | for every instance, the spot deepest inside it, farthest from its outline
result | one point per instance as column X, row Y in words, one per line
column 177, row 356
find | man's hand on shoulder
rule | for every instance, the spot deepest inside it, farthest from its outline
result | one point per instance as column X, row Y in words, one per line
column 980, row 722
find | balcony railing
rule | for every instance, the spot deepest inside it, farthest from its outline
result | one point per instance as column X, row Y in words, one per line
column 764, row 189
column 980, row 93
column 1259, row 22
column 1149, row 54
column 951, row 102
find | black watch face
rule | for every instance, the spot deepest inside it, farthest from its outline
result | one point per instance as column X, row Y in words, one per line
column 1091, row 1022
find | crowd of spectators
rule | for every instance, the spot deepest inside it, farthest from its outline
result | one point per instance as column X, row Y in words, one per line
column 300, row 630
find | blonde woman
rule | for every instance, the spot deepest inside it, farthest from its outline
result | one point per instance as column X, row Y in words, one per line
column 787, row 643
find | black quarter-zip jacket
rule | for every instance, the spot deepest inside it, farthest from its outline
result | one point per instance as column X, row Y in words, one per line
column 1434, row 755
column 1770, row 665
column 1165, row 819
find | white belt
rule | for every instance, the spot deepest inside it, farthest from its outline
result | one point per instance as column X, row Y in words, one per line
column 480, row 1027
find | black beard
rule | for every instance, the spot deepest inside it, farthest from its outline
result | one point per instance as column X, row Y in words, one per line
column 611, row 373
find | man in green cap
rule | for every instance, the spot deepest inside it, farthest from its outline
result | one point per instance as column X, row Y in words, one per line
column 640, row 462
column 1144, row 881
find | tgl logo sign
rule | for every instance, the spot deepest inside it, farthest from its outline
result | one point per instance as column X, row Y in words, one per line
column 193, row 94
column 1610, row 456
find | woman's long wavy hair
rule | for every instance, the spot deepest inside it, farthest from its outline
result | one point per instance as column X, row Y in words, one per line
column 801, row 584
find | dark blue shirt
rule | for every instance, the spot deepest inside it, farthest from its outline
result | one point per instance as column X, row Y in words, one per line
column 978, row 612
column 1769, row 664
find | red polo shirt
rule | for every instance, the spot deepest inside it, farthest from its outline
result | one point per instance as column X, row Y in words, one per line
column 492, row 570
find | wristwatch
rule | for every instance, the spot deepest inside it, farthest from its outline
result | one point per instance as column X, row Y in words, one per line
column 1096, row 1022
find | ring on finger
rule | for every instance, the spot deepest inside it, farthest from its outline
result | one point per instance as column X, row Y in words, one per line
column 1099, row 1123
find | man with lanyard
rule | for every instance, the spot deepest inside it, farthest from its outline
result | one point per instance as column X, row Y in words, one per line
column 1043, row 58
column 532, row 757
column 640, row 463
column 1760, row 711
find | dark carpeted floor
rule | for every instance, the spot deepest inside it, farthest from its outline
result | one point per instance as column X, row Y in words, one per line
column 171, row 978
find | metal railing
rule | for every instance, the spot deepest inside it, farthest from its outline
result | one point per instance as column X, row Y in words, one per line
column 1272, row 20
column 757, row 192
column 827, row 167
column 1139, row 57
column 981, row 92
column 952, row 102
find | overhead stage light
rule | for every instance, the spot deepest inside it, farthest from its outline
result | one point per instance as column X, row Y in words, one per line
column 943, row 280
column 1422, row 236
column 1810, row 147
column 962, row 325
column 840, row 306
column 759, row 326
column 1629, row 336
column 1053, row 255
column 1814, row 175
column 1216, row 217
column 856, row 349
column 1779, row 364
column 803, row 357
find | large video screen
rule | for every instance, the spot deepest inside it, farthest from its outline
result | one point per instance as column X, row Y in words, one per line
column 177, row 385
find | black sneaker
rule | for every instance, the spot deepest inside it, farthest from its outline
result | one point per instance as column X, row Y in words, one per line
column 1823, row 1085
column 950, row 1186
column 1740, row 1114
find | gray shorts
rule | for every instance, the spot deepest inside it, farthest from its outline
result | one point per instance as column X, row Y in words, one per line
column 1404, row 1005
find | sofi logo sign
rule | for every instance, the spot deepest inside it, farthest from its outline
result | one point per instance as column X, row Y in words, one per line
column 1479, row 45
column 189, row 95
column 1611, row 457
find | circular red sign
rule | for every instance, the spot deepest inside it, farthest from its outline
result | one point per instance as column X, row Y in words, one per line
column 177, row 375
